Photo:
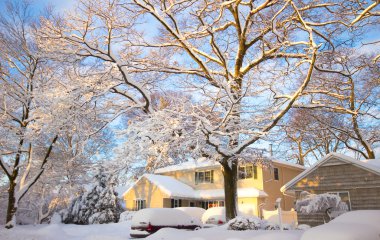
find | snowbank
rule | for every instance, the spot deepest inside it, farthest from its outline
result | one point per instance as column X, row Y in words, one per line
column 362, row 224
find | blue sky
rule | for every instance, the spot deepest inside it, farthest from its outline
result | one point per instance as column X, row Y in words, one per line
column 67, row 5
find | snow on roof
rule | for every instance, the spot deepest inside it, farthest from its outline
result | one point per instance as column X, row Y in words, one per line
column 121, row 190
column 289, row 164
column 170, row 186
column 191, row 164
column 241, row 192
column 205, row 163
column 372, row 165
column 176, row 188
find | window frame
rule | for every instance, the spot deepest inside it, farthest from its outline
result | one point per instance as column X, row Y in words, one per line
column 200, row 176
column 175, row 202
column 244, row 175
column 349, row 197
column 276, row 172
column 139, row 204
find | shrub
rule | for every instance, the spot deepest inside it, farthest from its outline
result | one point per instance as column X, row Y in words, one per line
column 244, row 223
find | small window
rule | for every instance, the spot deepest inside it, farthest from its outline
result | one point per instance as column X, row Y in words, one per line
column 276, row 175
column 140, row 204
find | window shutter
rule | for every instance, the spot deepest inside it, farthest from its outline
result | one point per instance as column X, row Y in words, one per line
column 196, row 178
column 255, row 172
column 212, row 176
column 180, row 203
column 172, row 203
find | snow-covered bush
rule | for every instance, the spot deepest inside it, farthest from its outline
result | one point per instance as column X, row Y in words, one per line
column 96, row 206
column 311, row 203
column 244, row 223
column 254, row 223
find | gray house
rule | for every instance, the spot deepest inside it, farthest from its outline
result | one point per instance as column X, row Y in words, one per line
column 356, row 182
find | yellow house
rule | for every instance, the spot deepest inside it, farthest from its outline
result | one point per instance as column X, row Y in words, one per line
column 200, row 184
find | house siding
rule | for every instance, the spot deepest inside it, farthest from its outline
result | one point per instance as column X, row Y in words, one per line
column 272, row 187
column 337, row 176
column 155, row 198
column 147, row 191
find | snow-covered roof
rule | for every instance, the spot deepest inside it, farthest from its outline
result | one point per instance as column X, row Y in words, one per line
column 219, row 193
column 189, row 165
column 206, row 163
column 372, row 165
column 175, row 188
column 288, row 164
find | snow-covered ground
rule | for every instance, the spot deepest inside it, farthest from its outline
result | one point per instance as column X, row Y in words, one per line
column 119, row 231
column 221, row 233
column 363, row 225
column 111, row 231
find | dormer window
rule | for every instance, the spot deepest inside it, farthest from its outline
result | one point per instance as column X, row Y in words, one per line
column 204, row 176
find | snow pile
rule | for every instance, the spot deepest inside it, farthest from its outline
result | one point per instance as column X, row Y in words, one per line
column 98, row 205
column 311, row 203
column 362, row 224
column 162, row 217
column 244, row 223
column 368, row 217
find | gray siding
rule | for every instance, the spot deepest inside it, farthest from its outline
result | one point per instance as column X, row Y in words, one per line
column 336, row 176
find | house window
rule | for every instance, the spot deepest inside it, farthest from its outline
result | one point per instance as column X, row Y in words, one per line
column 249, row 171
column 276, row 175
column 140, row 204
column 345, row 197
column 204, row 176
column 176, row 203
column 212, row 203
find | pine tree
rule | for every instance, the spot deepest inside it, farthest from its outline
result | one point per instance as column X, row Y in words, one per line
column 96, row 206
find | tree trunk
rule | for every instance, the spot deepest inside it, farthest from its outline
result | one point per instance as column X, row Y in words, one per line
column 12, row 206
column 230, row 189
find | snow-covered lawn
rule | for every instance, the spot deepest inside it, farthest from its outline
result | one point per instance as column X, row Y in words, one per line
column 355, row 225
column 111, row 231
column 119, row 231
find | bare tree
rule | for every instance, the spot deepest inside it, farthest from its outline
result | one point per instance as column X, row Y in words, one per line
column 35, row 106
column 348, row 86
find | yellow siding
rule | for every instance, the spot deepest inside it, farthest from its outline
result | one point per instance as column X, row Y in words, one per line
column 248, row 206
column 146, row 190
column 251, row 182
column 155, row 198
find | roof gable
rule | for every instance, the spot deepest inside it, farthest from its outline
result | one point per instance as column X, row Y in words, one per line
column 336, row 159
